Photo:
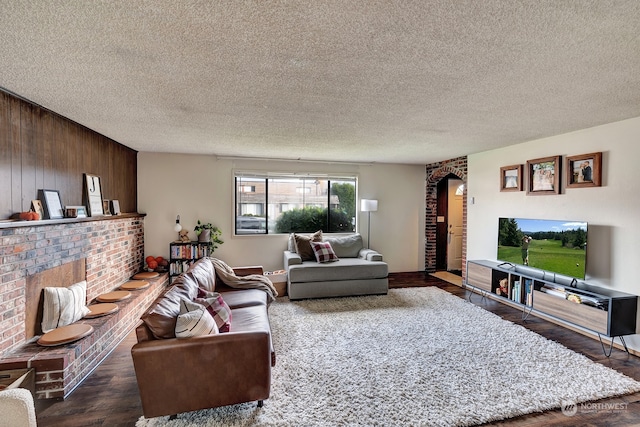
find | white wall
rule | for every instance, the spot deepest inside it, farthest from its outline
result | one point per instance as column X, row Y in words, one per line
column 201, row 187
column 611, row 210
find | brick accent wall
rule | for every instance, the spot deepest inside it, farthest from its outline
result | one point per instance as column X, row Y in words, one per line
column 114, row 251
column 435, row 172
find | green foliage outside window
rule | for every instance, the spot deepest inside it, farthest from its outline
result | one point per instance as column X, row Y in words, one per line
column 312, row 219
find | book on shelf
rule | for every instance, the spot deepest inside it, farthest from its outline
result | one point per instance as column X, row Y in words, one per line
column 528, row 291
column 516, row 291
column 191, row 251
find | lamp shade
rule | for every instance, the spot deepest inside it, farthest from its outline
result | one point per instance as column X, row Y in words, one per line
column 367, row 205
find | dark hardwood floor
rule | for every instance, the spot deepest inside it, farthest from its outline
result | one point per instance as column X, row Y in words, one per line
column 109, row 397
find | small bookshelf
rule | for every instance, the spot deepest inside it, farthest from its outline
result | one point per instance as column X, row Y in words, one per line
column 183, row 254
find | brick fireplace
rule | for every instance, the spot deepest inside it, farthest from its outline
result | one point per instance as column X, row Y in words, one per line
column 111, row 250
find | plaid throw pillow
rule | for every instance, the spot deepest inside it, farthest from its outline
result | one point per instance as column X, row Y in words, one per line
column 216, row 306
column 323, row 251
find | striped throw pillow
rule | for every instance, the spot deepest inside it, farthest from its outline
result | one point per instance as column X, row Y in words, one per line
column 194, row 320
column 63, row 306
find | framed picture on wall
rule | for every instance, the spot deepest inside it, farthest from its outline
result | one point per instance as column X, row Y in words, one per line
column 93, row 194
column 511, row 178
column 544, row 175
column 584, row 170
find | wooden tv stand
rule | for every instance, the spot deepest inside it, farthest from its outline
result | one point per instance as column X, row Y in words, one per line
column 604, row 311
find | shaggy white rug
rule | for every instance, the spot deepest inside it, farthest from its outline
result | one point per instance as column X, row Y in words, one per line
column 417, row 357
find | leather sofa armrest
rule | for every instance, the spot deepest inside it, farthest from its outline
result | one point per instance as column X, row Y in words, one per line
column 290, row 259
column 248, row 270
column 369, row 255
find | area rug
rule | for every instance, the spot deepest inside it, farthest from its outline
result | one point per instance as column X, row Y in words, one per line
column 419, row 357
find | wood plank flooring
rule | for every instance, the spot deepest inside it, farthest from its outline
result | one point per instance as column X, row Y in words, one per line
column 109, row 397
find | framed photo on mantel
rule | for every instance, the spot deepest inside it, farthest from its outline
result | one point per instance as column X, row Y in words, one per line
column 93, row 194
column 51, row 203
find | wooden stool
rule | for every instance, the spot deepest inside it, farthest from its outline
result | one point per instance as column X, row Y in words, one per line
column 114, row 296
column 65, row 334
column 98, row 310
column 134, row 285
column 146, row 275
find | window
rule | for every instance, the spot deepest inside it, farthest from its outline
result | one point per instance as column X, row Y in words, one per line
column 286, row 204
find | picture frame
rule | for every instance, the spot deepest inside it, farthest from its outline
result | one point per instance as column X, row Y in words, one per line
column 81, row 211
column 511, row 178
column 106, row 210
column 584, row 170
column 93, row 194
column 115, row 207
column 36, row 206
column 543, row 176
column 51, row 204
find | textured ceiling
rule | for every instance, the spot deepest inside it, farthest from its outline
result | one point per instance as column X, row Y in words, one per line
column 373, row 81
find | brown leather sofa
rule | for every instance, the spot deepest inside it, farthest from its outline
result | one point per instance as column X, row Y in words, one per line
column 178, row 375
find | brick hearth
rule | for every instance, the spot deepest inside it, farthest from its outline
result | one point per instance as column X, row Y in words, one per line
column 114, row 251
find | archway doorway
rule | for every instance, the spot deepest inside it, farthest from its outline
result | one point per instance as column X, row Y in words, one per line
column 436, row 172
column 449, row 224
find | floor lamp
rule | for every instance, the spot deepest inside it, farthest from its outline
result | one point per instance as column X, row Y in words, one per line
column 369, row 206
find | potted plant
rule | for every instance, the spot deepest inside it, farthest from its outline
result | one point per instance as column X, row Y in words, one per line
column 207, row 232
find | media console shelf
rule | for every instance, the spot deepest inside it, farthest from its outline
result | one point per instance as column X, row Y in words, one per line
column 604, row 311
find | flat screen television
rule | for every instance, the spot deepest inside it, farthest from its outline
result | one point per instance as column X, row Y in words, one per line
column 549, row 245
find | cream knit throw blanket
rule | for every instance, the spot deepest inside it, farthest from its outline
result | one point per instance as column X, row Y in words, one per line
column 252, row 281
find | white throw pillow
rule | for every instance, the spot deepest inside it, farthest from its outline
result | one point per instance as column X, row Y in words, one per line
column 194, row 320
column 63, row 306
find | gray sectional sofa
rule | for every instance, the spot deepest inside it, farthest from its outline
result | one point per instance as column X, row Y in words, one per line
column 358, row 271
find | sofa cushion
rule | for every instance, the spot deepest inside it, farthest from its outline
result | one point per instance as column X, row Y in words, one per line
column 346, row 246
column 250, row 319
column 187, row 285
column 343, row 269
column 303, row 245
column 323, row 252
column 245, row 298
column 217, row 307
column 194, row 320
column 63, row 306
column 160, row 318
column 204, row 273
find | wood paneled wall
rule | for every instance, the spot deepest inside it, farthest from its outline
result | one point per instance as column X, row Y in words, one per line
column 43, row 150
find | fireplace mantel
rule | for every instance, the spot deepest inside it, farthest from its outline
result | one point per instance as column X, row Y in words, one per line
column 16, row 223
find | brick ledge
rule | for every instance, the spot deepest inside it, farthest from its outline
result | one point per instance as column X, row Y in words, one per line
column 59, row 370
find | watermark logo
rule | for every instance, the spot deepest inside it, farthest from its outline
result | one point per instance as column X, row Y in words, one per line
column 569, row 408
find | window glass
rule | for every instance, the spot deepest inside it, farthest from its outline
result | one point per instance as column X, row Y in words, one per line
column 285, row 204
column 251, row 198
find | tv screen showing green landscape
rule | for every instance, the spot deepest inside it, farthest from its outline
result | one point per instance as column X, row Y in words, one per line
column 551, row 245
